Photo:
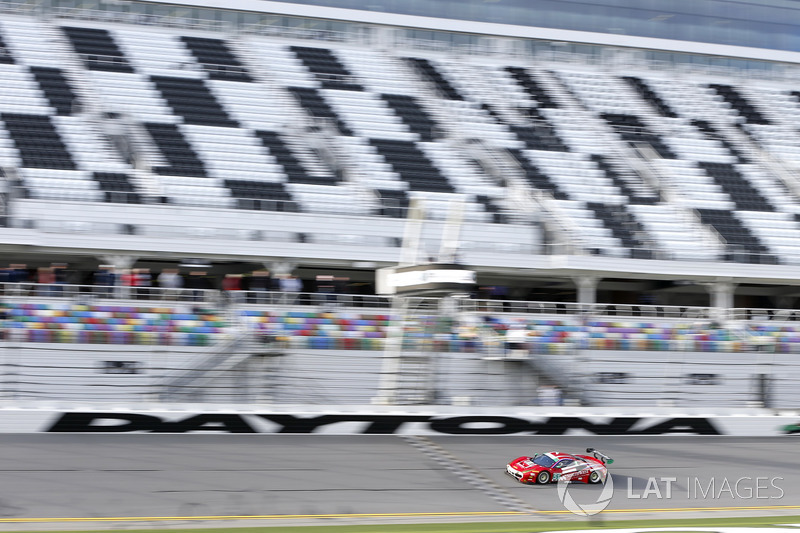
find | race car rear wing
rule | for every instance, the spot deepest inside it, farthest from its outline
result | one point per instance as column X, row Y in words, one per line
column 600, row 456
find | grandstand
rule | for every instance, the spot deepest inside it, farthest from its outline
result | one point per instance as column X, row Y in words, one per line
column 631, row 201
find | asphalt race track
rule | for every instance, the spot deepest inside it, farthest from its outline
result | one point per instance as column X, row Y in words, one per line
column 146, row 475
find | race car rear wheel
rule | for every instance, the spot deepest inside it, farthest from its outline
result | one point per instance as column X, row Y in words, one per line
column 594, row 477
column 543, row 478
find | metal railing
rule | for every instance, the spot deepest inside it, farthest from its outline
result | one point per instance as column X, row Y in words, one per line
column 342, row 208
column 594, row 310
column 142, row 19
column 315, row 299
column 25, row 291
column 272, row 30
column 36, row 369
column 103, row 59
column 16, row 8
column 490, row 45
column 91, row 293
column 223, row 69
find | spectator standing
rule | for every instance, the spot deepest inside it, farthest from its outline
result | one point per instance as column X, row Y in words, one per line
column 144, row 281
column 260, row 285
column 127, row 282
column 290, row 286
column 59, row 278
column 325, row 289
column 5, row 277
column 232, row 287
column 171, row 282
column 73, row 278
column 198, row 281
column 104, row 280
column 46, row 278
column 20, row 275
column 192, row 285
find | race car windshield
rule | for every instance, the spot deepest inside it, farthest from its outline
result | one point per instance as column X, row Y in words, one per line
column 544, row 461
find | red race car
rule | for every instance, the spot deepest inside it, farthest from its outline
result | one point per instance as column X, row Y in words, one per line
column 554, row 466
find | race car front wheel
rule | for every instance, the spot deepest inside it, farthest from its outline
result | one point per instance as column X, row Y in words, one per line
column 543, row 477
column 594, row 477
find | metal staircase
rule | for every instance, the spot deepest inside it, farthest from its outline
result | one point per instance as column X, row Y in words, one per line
column 787, row 176
column 223, row 372
column 670, row 190
column 408, row 374
column 530, row 205
column 618, row 153
column 123, row 134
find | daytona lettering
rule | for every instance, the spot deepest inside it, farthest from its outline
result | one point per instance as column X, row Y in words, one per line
column 78, row 422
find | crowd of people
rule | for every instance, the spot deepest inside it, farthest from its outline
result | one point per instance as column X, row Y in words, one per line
column 167, row 283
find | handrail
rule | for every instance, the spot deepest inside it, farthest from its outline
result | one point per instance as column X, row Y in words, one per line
column 788, row 177
column 506, row 170
column 223, row 69
column 646, row 153
column 243, row 299
column 96, row 293
column 490, row 46
column 616, row 148
column 270, row 30
column 139, row 18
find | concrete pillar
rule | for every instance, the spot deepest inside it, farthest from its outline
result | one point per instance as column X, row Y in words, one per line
column 721, row 292
column 280, row 268
column 587, row 289
column 119, row 262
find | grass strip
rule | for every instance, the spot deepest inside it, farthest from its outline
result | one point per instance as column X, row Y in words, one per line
column 485, row 527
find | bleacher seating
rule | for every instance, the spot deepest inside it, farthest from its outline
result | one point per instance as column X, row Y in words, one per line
column 257, row 130
column 110, row 324
column 353, row 329
column 221, row 113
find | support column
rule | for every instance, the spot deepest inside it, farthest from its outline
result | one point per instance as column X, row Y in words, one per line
column 587, row 289
column 280, row 268
column 119, row 262
column 721, row 292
